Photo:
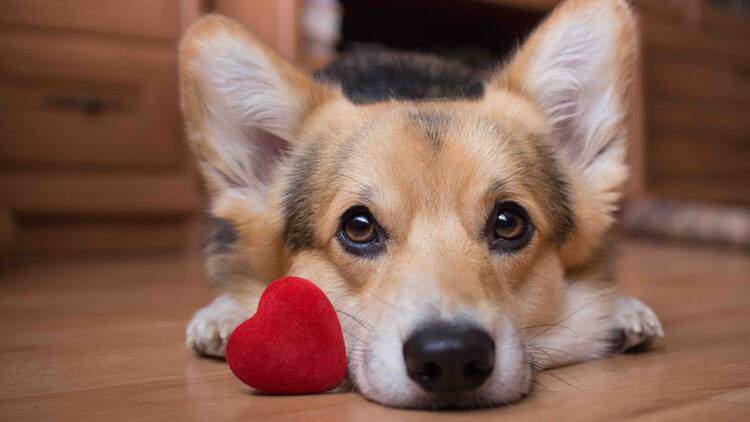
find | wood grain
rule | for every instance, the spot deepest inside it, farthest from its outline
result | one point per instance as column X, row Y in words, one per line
column 697, row 102
column 91, row 148
column 104, row 340
column 275, row 22
column 148, row 18
column 44, row 74
column 62, row 237
column 96, row 194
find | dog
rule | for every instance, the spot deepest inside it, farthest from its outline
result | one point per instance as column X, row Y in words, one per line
column 459, row 223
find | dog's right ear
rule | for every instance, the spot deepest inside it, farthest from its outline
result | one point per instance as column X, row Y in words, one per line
column 243, row 105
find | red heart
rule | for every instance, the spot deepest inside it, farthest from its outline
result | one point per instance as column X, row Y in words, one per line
column 293, row 344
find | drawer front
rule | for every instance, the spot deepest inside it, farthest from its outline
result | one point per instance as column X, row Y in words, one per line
column 697, row 78
column 150, row 18
column 76, row 100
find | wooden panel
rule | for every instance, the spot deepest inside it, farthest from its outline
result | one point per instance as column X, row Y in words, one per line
column 729, row 191
column 697, row 73
column 7, row 234
column 159, row 19
column 41, row 237
column 723, row 18
column 95, row 193
column 676, row 153
column 676, row 77
column 78, row 100
column 697, row 117
column 275, row 22
column 671, row 35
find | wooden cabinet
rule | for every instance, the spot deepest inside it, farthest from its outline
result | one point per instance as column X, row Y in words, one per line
column 91, row 150
column 155, row 20
column 697, row 77
column 77, row 100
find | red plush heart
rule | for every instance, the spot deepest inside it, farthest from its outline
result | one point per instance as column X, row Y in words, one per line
column 293, row 344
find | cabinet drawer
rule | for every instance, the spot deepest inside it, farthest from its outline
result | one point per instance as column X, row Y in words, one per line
column 158, row 19
column 76, row 100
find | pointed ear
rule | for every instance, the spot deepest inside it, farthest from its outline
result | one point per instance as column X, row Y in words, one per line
column 576, row 68
column 243, row 104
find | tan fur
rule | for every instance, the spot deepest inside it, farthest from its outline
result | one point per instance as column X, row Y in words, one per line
column 593, row 208
column 433, row 196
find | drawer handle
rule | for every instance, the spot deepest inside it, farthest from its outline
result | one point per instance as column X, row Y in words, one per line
column 84, row 103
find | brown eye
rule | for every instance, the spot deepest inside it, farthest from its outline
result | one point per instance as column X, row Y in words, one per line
column 508, row 228
column 509, row 225
column 359, row 228
column 360, row 234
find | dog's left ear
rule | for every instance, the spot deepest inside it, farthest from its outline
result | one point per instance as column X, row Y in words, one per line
column 576, row 67
column 245, row 109
column 244, row 105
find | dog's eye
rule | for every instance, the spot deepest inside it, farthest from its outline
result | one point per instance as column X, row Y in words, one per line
column 359, row 229
column 509, row 227
column 360, row 234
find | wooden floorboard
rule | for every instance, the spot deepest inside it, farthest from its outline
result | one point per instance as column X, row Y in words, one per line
column 104, row 340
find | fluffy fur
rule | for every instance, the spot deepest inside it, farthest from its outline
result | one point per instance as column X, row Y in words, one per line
column 284, row 155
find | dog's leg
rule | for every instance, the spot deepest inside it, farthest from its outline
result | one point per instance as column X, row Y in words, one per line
column 638, row 324
column 209, row 330
column 596, row 322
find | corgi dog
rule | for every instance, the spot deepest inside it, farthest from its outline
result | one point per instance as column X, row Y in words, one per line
column 458, row 222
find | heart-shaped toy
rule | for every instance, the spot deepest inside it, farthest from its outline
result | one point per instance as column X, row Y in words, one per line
column 293, row 344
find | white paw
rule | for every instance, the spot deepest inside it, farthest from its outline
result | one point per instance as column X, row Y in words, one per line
column 208, row 331
column 639, row 325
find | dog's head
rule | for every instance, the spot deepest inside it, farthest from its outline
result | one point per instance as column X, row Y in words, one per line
column 439, row 229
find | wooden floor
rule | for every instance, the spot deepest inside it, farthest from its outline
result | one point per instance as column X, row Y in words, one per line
column 104, row 341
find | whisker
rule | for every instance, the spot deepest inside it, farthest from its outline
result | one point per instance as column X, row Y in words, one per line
column 549, row 326
column 546, row 348
column 385, row 301
column 594, row 300
column 557, row 377
column 359, row 321
column 352, row 335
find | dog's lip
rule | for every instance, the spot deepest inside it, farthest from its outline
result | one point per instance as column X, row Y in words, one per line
column 464, row 400
column 452, row 401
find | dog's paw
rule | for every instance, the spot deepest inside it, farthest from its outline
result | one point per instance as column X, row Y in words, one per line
column 639, row 325
column 208, row 331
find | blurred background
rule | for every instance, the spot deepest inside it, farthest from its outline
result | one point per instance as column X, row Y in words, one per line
column 92, row 155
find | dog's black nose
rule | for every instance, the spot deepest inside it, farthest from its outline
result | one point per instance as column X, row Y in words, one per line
column 446, row 358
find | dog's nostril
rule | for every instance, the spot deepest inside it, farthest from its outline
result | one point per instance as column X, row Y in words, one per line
column 477, row 370
column 449, row 358
column 428, row 372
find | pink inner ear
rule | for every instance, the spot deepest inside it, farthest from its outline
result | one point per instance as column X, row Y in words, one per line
column 269, row 149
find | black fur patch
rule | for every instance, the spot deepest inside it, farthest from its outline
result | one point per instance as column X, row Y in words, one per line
column 559, row 206
column 221, row 235
column 380, row 75
column 297, row 200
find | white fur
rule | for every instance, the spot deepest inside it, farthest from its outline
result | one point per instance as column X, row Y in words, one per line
column 244, row 100
column 573, row 76
column 208, row 331
column 639, row 323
